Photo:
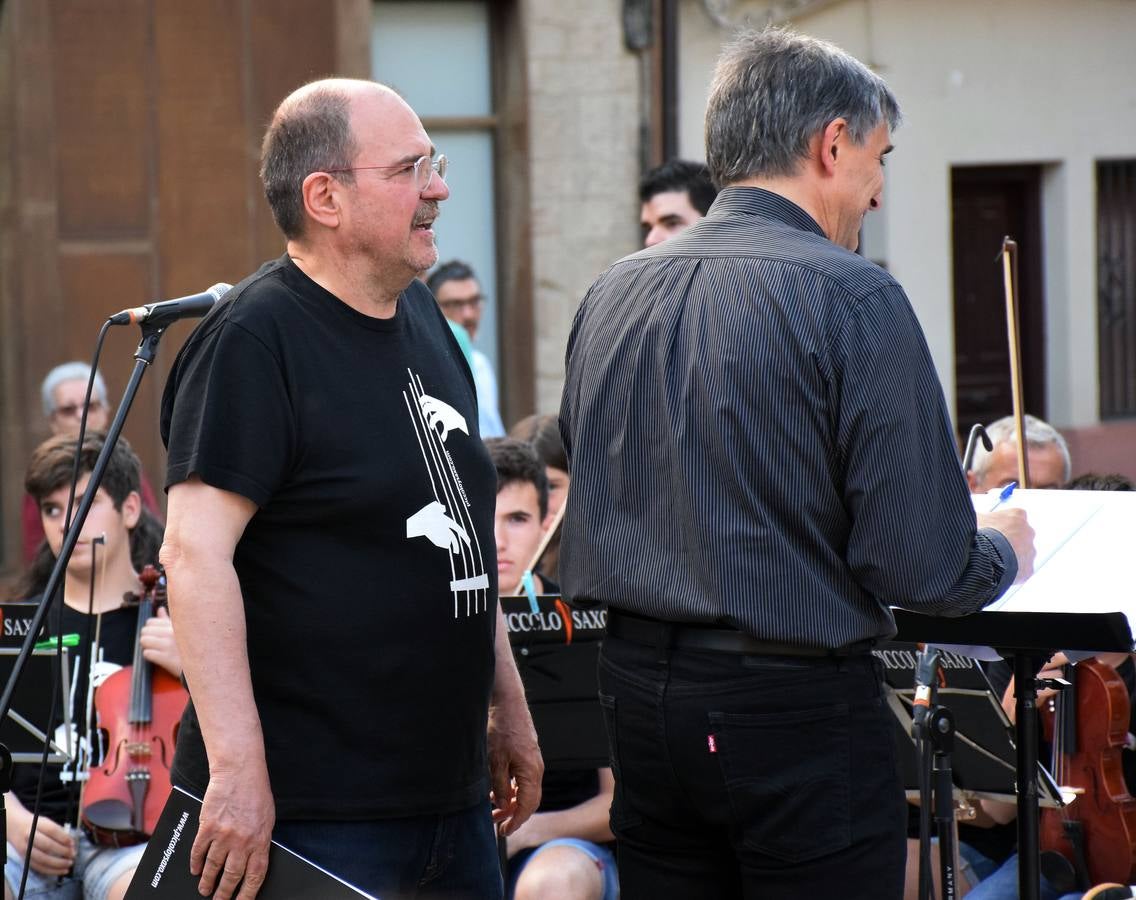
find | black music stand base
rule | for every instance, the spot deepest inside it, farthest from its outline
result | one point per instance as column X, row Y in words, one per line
column 1026, row 664
column 936, row 736
column 941, row 735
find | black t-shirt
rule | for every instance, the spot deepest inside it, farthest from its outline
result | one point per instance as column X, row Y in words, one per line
column 368, row 572
column 116, row 638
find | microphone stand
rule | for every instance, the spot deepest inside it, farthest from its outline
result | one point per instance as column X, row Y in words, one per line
column 941, row 734
column 144, row 356
column 933, row 726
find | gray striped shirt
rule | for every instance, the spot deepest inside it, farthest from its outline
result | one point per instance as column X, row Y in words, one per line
column 758, row 438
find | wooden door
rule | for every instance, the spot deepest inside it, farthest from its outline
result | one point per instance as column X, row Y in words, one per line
column 988, row 203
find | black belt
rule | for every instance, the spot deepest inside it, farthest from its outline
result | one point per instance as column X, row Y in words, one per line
column 693, row 636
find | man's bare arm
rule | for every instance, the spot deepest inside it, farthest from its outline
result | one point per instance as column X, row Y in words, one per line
column 203, row 527
column 515, row 764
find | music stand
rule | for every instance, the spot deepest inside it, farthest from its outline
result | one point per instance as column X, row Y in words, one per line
column 1029, row 639
column 25, row 729
column 556, row 647
column 982, row 756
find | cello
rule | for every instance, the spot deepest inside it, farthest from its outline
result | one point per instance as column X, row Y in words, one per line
column 137, row 711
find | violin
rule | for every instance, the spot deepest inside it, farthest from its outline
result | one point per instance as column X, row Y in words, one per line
column 137, row 710
column 1092, row 840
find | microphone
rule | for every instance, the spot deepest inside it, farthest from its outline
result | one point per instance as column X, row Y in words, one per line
column 924, row 680
column 171, row 310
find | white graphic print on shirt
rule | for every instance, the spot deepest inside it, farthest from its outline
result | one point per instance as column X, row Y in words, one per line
column 446, row 521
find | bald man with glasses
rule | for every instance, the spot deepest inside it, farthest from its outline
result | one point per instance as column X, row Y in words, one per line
column 330, row 551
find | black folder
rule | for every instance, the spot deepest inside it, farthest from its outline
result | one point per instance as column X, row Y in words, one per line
column 164, row 874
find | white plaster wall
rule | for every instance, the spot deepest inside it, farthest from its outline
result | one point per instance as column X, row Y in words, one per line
column 583, row 120
column 1021, row 81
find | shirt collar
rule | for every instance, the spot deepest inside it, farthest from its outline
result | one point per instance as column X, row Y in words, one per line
column 753, row 201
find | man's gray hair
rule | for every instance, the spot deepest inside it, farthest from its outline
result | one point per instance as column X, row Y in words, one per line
column 70, row 371
column 310, row 132
column 773, row 90
column 1039, row 435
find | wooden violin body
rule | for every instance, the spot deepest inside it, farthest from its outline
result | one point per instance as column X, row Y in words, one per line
column 138, row 710
column 1096, row 834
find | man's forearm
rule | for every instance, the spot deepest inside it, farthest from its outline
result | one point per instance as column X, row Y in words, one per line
column 209, row 628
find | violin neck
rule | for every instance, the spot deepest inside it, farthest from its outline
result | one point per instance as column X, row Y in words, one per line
column 141, row 701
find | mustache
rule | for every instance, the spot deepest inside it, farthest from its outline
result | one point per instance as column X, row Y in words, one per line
column 427, row 212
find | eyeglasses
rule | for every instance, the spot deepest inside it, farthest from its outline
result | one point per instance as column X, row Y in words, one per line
column 424, row 168
column 456, row 305
column 74, row 410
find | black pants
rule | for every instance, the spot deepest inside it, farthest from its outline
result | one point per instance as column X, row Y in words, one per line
column 751, row 776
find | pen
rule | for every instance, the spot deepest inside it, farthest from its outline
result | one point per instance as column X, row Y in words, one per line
column 1004, row 495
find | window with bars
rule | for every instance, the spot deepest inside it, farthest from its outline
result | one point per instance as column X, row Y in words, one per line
column 1116, row 286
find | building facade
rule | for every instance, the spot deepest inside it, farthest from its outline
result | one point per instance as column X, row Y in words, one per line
column 132, row 130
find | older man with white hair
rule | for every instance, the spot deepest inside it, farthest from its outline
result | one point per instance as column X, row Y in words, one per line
column 1047, row 456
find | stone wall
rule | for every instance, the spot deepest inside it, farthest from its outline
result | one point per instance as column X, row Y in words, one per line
column 583, row 120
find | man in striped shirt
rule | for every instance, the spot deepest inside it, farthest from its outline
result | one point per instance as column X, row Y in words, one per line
column 762, row 464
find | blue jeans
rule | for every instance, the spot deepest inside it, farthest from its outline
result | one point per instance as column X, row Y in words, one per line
column 451, row 856
column 1002, row 882
column 600, row 855
column 96, row 870
column 751, row 776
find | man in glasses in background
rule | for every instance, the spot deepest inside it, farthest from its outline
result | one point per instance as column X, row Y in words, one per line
column 63, row 390
column 330, row 548
column 1050, row 466
column 459, row 296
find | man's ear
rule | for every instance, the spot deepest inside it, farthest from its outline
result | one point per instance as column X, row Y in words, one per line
column 972, row 481
column 547, row 521
column 321, row 198
column 832, row 141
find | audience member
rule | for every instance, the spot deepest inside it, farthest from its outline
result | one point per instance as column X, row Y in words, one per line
column 563, row 850
column 62, row 393
column 1047, row 456
column 458, row 292
column 672, row 197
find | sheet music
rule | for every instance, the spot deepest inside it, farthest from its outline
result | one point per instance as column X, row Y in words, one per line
column 1086, row 552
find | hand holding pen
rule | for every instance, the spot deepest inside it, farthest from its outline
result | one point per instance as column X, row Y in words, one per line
column 1014, row 526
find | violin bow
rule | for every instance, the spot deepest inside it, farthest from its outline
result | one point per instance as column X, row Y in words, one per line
column 553, row 528
column 1009, row 257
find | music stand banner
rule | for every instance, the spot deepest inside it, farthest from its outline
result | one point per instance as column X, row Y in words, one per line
column 556, row 647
